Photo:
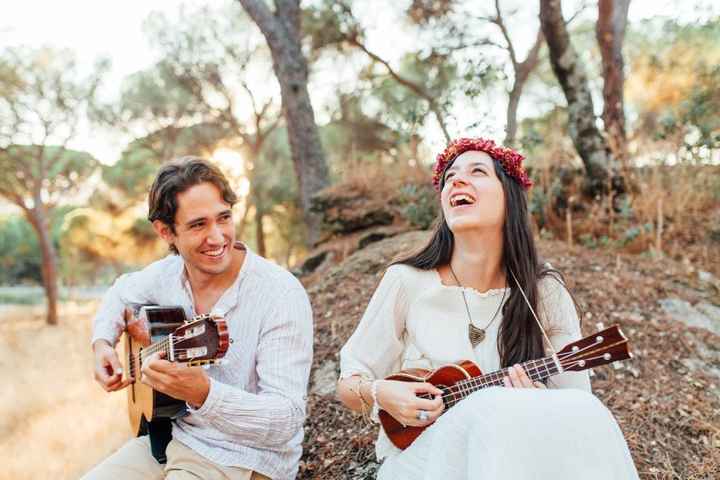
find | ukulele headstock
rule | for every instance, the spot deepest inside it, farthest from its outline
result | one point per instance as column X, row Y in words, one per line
column 601, row 348
column 201, row 341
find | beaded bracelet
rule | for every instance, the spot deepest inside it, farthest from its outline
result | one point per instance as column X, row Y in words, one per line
column 374, row 413
column 365, row 407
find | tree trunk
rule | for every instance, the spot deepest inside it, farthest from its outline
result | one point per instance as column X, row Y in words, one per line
column 39, row 220
column 282, row 33
column 610, row 32
column 259, row 232
column 589, row 142
column 522, row 72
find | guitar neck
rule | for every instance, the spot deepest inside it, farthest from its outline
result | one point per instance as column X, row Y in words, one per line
column 538, row 370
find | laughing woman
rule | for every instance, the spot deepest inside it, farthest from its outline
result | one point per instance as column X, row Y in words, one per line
column 462, row 297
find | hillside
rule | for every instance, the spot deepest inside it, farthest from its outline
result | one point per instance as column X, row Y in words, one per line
column 666, row 399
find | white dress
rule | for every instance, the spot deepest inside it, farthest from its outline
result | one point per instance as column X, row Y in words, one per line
column 564, row 432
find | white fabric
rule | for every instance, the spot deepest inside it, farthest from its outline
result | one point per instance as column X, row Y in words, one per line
column 255, row 409
column 518, row 434
column 414, row 321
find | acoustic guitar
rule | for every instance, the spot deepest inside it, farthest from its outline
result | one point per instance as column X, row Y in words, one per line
column 202, row 340
column 457, row 381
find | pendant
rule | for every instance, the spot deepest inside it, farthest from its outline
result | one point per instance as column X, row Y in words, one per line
column 475, row 334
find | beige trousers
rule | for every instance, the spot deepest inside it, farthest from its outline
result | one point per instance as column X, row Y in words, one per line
column 133, row 461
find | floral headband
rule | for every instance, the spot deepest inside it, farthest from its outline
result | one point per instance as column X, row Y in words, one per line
column 510, row 160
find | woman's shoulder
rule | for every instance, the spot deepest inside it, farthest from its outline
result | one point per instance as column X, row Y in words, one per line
column 411, row 279
column 555, row 300
column 408, row 273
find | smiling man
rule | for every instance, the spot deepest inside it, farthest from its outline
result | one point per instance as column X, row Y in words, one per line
column 244, row 417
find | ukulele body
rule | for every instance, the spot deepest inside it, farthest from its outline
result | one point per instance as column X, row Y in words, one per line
column 443, row 377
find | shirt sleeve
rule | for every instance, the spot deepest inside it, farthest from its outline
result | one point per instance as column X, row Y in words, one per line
column 559, row 313
column 129, row 288
column 272, row 416
column 375, row 348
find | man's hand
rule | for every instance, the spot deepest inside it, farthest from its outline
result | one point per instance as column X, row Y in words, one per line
column 176, row 379
column 108, row 372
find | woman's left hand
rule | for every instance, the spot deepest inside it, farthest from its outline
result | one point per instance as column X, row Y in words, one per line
column 518, row 378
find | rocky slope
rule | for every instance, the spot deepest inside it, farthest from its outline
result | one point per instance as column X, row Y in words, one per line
column 667, row 399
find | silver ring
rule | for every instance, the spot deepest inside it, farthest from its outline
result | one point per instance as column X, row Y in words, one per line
column 422, row 415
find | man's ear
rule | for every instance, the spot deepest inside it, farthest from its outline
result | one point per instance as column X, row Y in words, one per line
column 164, row 231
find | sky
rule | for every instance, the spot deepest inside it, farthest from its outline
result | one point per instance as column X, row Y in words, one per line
column 93, row 28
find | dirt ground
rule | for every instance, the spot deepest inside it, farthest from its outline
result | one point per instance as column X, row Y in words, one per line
column 666, row 399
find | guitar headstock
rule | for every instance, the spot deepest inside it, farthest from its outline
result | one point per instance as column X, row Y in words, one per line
column 201, row 341
column 601, row 348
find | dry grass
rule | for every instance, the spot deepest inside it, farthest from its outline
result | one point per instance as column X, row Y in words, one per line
column 669, row 211
column 55, row 421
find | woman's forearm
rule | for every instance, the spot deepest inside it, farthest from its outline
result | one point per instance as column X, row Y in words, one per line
column 355, row 393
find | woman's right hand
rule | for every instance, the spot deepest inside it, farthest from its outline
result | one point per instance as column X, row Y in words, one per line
column 400, row 400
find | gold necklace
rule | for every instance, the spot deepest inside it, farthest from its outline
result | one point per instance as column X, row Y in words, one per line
column 475, row 334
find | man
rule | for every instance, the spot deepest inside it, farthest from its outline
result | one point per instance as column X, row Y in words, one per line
column 244, row 417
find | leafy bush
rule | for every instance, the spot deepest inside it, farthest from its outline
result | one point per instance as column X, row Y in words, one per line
column 419, row 205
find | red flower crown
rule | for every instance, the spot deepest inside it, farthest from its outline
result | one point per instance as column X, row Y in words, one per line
column 510, row 160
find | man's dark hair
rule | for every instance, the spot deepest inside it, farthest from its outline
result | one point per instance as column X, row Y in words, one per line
column 177, row 176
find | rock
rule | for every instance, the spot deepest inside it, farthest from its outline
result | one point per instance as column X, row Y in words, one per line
column 324, row 379
column 711, row 311
column 312, row 263
column 351, row 209
column 706, row 277
column 706, row 316
column 377, row 234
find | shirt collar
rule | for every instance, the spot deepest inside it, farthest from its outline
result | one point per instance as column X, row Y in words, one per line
column 230, row 297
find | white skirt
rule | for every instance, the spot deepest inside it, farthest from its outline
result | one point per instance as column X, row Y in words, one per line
column 512, row 433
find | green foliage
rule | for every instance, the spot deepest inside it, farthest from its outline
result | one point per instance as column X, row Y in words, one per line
column 674, row 85
column 419, row 205
column 60, row 171
column 20, row 257
column 20, row 260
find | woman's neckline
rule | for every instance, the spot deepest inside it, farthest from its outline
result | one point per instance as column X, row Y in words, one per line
column 488, row 293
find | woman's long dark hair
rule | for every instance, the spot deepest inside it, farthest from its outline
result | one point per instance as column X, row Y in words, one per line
column 519, row 338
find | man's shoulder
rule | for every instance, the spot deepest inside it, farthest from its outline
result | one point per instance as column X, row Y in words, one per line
column 273, row 277
column 159, row 270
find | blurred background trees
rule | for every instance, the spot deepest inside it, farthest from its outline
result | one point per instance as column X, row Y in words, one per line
column 613, row 115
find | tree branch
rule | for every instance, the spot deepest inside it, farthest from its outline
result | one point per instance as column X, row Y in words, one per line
column 414, row 87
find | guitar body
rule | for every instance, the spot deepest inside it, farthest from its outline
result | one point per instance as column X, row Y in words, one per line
column 443, row 377
column 202, row 340
column 145, row 404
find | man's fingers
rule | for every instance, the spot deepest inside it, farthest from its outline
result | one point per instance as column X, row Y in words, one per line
column 119, row 385
column 115, row 366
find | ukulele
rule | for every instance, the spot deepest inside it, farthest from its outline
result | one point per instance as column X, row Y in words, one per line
column 202, row 340
column 457, row 381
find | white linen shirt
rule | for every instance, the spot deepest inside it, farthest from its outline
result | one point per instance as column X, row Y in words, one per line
column 255, row 409
column 413, row 320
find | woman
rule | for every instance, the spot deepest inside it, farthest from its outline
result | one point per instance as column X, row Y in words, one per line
column 458, row 298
